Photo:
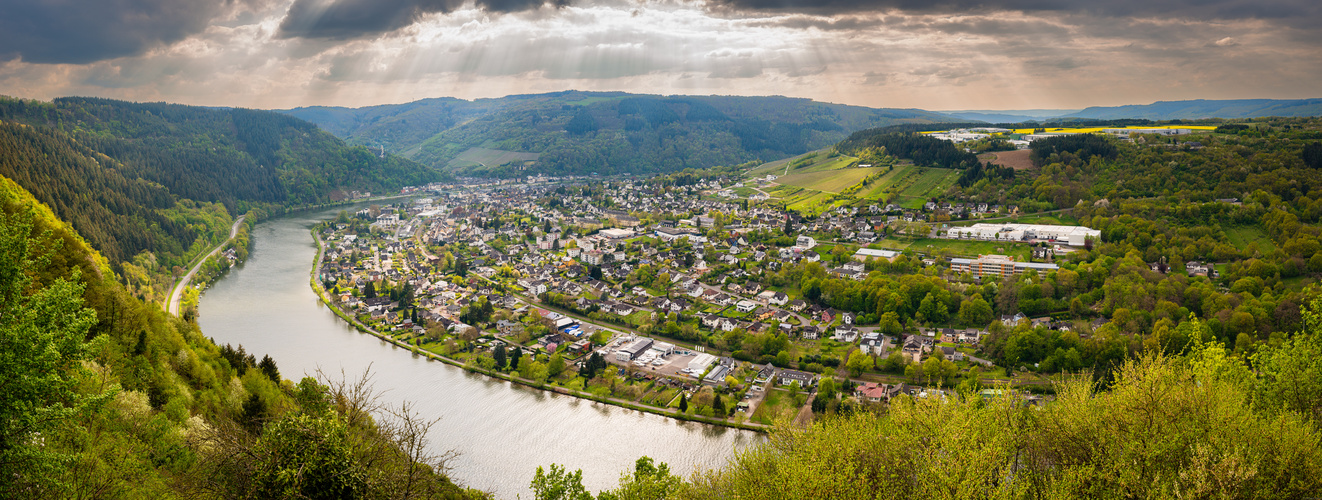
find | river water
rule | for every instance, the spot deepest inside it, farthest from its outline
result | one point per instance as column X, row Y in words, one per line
column 503, row 431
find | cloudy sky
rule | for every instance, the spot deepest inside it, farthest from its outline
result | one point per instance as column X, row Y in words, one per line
column 931, row 54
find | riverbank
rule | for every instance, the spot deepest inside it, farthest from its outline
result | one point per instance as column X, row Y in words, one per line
column 323, row 296
column 174, row 300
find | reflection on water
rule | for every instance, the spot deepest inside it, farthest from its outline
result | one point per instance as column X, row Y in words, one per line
column 503, row 431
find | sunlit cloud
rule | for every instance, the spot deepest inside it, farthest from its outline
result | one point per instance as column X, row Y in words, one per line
column 278, row 54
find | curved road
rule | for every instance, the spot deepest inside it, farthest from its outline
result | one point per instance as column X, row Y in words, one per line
column 177, row 293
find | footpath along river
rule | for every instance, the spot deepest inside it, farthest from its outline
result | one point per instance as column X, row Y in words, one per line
column 502, row 430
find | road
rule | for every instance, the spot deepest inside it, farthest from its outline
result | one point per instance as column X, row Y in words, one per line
column 177, row 293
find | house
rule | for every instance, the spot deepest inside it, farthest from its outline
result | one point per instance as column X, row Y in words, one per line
column 845, row 334
column 765, row 374
column 711, row 320
column 804, row 379
column 828, row 315
column 952, row 354
column 872, row 392
column 774, row 297
column 745, row 306
column 874, row 346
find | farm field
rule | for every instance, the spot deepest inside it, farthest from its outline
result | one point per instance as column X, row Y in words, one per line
column 1086, row 130
column 1017, row 159
column 832, row 181
column 931, row 182
column 812, row 161
column 818, row 180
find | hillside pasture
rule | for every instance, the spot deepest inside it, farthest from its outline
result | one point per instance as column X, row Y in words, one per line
column 832, row 181
column 957, row 248
column 1242, row 236
column 490, row 157
column 931, row 182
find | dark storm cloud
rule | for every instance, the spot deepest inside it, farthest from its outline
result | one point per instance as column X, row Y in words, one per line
column 1295, row 10
column 345, row 19
column 82, row 31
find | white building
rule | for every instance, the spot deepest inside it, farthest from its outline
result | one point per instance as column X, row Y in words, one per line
column 700, row 363
column 869, row 254
column 1070, row 235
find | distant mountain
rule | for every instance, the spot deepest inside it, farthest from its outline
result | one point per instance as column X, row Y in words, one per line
column 576, row 132
column 1009, row 115
column 1199, row 108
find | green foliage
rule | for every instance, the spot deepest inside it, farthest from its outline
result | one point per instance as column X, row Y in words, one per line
column 557, row 484
column 1165, row 427
column 858, row 363
column 122, row 216
column 649, row 481
column 975, row 312
column 1291, row 373
column 42, row 343
column 923, row 150
column 185, row 414
column 1082, row 146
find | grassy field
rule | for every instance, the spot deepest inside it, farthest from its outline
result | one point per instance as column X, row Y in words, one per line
column 815, row 178
column 814, row 161
column 1241, row 236
column 490, row 157
column 931, row 182
column 1060, row 218
column 832, row 181
column 957, row 248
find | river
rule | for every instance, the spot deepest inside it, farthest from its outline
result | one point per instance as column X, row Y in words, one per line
column 503, row 431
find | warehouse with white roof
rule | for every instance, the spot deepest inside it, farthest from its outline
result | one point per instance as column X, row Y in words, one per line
column 1070, row 235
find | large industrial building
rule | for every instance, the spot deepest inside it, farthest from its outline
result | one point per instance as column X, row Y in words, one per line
column 1070, row 235
column 997, row 265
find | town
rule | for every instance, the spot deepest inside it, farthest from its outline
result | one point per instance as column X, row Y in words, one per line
column 676, row 298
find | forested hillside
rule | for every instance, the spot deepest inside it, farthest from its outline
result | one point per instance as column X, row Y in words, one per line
column 150, row 184
column 605, row 133
column 105, row 396
column 1205, row 108
column 231, row 156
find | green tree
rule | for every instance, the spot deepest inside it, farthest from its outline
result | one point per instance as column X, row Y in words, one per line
column 975, row 312
column 889, row 323
column 932, row 310
column 42, row 332
column 1292, row 372
column 683, row 403
column 267, row 365
column 557, row 484
column 514, row 356
column 718, row 406
column 858, row 363
column 499, row 356
column 556, row 365
column 648, row 482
